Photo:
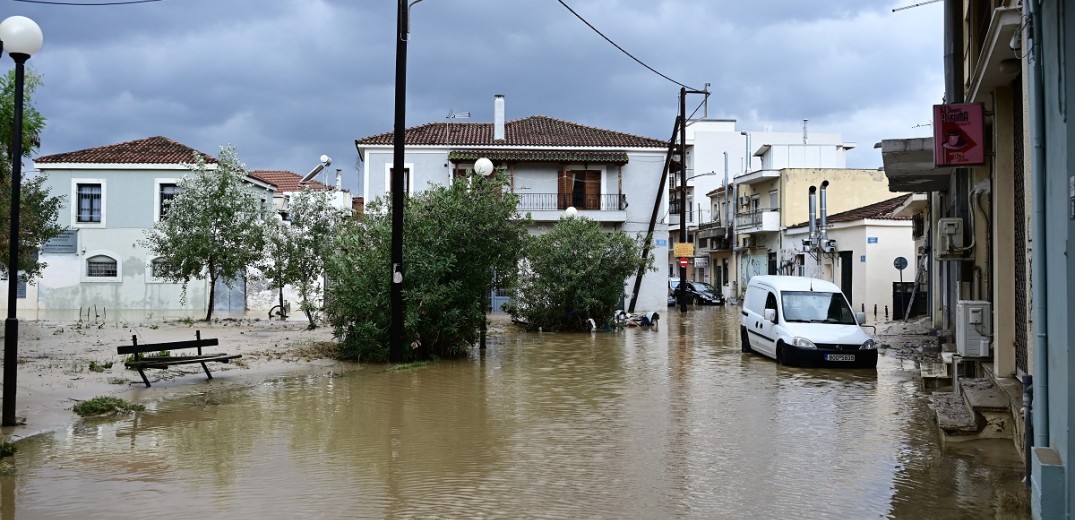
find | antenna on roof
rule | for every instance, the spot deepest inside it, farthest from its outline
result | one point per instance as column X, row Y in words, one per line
column 452, row 115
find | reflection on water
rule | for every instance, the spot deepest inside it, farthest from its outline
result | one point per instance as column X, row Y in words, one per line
column 638, row 424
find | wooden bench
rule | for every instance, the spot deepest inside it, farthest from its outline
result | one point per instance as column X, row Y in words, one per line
column 140, row 362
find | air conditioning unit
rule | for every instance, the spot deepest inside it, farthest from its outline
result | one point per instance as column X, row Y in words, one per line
column 973, row 328
column 744, row 200
column 828, row 246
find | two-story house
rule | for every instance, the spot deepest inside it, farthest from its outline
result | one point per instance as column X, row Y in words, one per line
column 112, row 195
column 607, row 176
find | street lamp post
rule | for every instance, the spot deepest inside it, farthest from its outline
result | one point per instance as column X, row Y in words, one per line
column 483, row 167
column 395, row 304
column 21, row 37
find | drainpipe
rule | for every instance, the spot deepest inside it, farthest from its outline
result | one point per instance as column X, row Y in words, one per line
column 823, row 230
column 813, row 215
column 1039, row 276
column 726, row 206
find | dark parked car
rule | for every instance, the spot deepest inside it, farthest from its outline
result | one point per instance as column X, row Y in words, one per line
column 700, row 293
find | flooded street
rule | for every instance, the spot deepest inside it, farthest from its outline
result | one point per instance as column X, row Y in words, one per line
column 674, row 423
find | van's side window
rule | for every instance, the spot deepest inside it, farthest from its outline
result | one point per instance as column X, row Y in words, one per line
column 770, row 303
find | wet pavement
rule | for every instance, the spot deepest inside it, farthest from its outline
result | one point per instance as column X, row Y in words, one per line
column 668, row 423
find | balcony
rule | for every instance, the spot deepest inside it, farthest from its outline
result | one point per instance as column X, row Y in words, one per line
column 712, row 229
column 714, row 244
column 609, row 207
column 759, row 220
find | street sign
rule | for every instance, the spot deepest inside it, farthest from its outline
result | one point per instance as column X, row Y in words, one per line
column 683, row 249
column 900, row 263
column 684, row 261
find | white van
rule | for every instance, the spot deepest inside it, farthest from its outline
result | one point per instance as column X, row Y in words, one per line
column 804, row 321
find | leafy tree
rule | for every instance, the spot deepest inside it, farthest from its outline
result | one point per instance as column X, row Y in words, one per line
column 455, row 239
column 213, row 227
column 38, row 211
column 296, row 252
column 574, row 273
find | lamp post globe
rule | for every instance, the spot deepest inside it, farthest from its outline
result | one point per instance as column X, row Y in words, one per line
column 20, row 35
column 570, row 212
column 483, row 166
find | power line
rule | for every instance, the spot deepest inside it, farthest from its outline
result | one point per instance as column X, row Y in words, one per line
column 123, row 2
column 621, row 49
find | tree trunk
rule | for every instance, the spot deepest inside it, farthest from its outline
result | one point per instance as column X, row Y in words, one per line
column 212, row 295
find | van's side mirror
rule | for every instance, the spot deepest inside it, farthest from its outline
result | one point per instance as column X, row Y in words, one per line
column 770, row 314
column 860, row 317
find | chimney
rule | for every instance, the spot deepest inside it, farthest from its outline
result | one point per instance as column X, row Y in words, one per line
column 498, row 117
column 813, row 213
column 824, row 222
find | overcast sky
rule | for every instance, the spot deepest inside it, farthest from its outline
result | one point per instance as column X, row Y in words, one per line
column 286, row 81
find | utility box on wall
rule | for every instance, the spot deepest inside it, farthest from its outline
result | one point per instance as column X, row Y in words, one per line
column 974, row 328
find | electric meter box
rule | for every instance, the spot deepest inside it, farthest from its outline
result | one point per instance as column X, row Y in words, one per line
column 974, row 328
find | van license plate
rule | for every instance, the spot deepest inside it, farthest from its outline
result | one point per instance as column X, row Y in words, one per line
column 839, row 357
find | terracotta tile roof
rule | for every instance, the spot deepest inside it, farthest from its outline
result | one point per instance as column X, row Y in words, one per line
column 286, row 181
column 876, row 211
column 152, row 150
column 582, row 156
column 536, row 131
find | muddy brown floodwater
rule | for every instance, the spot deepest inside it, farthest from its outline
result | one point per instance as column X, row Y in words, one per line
column 673, row 423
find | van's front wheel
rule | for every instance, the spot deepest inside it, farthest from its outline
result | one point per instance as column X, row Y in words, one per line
column 781, row 353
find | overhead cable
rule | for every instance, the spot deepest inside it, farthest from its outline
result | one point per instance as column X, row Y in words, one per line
column 621, row 49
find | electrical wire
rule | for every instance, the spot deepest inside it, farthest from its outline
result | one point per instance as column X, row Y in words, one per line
column 121, row 2
column 621, row 49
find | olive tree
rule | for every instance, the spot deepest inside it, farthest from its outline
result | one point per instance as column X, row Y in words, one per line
column 38, row 210
column 455, row 239
column 296, row 250
column 213, row 227
column 574, row 273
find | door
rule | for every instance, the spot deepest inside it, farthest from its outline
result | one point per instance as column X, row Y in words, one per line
column 761, row 333
column 230, row 298
column 846, row 284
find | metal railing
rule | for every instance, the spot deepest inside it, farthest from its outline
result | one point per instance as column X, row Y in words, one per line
column 751, row 218
column 560, row 201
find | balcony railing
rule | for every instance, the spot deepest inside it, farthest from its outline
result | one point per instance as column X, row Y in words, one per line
column 763, row 219
column 560, row 201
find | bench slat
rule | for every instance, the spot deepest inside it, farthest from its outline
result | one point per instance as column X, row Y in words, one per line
column 170, row 345
column 165, row 362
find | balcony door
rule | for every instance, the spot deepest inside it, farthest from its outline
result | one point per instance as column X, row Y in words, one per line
column 579, row 188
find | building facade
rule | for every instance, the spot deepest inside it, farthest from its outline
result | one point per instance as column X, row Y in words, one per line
column 112, row 195
column 607, row 176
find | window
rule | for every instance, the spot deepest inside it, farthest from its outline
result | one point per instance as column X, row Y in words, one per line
column 20, row 289
column 155, row 267
column 101, row 266
column 89, row 199
column 579, row 188
column 408, row 183
column 166, row 193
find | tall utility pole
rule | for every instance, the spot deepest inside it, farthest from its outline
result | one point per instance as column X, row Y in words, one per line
column 681, row 289
column 395, row 331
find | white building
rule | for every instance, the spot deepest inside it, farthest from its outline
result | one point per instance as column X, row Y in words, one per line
column 610, row 177
column 112, row 195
